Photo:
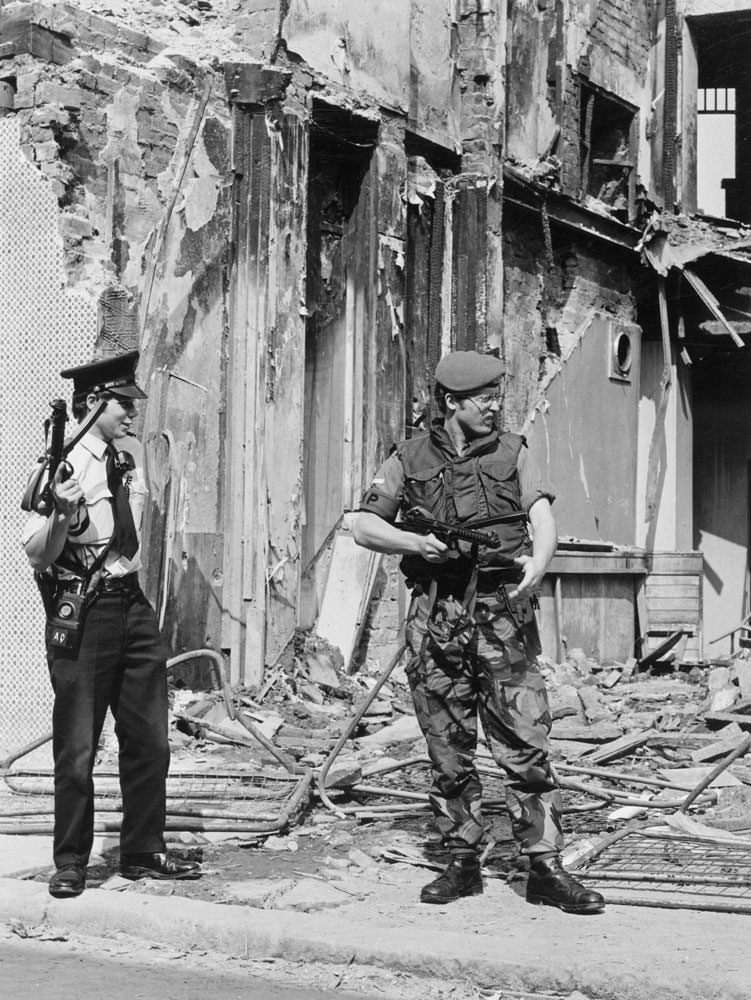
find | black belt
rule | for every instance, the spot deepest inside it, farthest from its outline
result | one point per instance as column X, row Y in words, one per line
column 488, row 581
column 118, row 584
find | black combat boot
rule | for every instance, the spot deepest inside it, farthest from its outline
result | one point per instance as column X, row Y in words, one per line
column 550, row 884
column 461, row 878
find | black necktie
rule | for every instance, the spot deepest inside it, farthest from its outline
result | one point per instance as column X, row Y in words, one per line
column 124, row 536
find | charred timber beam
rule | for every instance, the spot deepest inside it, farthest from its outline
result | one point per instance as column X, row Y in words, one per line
column 562, row 211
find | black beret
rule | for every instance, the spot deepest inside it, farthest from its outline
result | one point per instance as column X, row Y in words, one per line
column 468, row 371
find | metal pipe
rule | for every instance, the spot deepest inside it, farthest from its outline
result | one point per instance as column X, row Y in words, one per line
column 739, row 751
column 603, row 772
column 351, row 727
column 221, row 674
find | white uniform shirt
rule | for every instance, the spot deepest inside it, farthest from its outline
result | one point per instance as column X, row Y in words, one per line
column 89, row 460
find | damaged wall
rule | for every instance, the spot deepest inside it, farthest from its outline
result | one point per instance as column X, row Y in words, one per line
column 133, row 143
column 363, row 45
column 563, row 303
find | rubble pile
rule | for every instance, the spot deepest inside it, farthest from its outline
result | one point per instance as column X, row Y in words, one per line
column 663, row 749
column 626, row 744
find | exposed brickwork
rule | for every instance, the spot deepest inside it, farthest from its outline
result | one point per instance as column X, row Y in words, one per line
column 622, row 27
column 478, row 63
column 569, row 146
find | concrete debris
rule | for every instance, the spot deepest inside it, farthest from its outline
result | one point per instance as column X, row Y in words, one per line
column 404, row 729
column 321, row 671
column 545, row 171
column 629, row 746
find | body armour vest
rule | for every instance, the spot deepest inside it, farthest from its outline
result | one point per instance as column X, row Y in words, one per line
column 481, row 483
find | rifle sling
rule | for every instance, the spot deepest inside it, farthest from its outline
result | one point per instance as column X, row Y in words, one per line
column 84, row 427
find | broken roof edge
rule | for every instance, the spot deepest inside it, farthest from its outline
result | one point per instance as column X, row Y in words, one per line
column 563, row 210
column 673, row 241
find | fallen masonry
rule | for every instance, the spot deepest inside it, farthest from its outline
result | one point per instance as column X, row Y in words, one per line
column 286, row 792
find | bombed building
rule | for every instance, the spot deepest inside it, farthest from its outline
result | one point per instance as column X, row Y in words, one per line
column 293, row 208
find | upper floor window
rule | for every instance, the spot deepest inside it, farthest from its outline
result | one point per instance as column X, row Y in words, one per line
column 607, row 155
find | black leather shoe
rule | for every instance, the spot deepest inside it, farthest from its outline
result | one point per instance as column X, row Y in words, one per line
column 551, row 885
column 461, row 878
column 68, row 880
column 135, row 866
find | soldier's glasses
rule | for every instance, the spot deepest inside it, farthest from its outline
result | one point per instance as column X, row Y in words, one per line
column 487, row 400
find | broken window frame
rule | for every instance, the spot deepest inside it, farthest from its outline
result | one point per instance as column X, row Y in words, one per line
column 596, row 109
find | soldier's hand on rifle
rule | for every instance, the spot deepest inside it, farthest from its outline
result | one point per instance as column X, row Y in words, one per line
column 432, row 549
column 533, row 570
column 66, row 491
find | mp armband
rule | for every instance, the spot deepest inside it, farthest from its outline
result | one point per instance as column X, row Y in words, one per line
column 374, row 501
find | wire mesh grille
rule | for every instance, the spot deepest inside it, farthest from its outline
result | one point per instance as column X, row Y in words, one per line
column 673, row 866
column 44, row 327
column 216, row 794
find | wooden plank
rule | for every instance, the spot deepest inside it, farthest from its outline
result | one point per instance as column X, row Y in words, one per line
column 642, row 613
column 619, row 748
column 418, row 303
column 668, row 600
column 661, row 650
column 691, row 583
column 596, row 614
column 232, row 618
column 712, row 304
column 598, row 563
column 660, row 619
column 462, row 274
column 723, row 718
column 286, row 381
column 346, row 596
column 661, row 563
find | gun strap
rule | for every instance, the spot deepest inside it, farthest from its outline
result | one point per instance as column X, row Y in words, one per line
column 84, row 426
column 470, row 593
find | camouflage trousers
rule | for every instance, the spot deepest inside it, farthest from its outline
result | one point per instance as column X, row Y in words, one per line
column 485, row 664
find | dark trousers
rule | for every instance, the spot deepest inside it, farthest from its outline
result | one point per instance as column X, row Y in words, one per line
column 120, row 665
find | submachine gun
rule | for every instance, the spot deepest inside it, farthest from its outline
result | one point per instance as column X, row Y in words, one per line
column 422, row 522
column 38, row 496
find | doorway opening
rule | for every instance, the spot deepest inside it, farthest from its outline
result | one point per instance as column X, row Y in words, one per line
column 337, row 282
column 723, row 116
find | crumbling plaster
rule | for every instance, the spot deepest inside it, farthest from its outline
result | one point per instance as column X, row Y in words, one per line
column 360, row 44
column 563, row 292
column 434, row 97
column 532, row 117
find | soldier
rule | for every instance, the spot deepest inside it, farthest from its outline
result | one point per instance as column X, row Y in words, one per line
column 471, row 627
column 86, row 553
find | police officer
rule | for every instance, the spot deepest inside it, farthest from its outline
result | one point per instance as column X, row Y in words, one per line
column 471, row 626
column 89, row 544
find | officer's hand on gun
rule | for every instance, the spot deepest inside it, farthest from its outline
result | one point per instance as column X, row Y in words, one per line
column 67, row 491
